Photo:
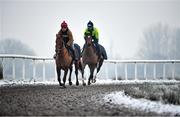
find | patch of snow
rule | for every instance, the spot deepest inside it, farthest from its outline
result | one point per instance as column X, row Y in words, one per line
column 109, row 81
column 21, row 82
column 141, row 104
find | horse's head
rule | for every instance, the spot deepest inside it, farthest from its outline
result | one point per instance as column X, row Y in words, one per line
column 88, row 40
column 60, row 41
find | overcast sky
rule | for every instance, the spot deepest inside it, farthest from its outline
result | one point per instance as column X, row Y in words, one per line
column 120, row 23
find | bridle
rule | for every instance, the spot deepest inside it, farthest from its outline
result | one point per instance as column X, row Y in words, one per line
column 60, row 49
column 88, row 38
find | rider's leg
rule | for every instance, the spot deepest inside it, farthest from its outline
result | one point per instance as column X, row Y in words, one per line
column 97, row 47
column 72, row 49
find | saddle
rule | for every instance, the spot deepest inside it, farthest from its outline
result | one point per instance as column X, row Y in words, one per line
column 76, row 51
column 70, row 51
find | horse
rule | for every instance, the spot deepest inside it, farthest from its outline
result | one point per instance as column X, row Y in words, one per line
column 78, row 64
column 91, row 58
column 64, row 61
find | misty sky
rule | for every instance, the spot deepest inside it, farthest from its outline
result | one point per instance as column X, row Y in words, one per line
column 120, row 23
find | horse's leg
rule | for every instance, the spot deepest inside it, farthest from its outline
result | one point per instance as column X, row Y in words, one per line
column 71, row 68
column 100, row 64
column 82, row 67
column 76, row 72
column 64, row 78
column 59, row 75
column 91, row 74
column 98, row 69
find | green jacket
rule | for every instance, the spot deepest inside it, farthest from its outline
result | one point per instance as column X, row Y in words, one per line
column 94, row 33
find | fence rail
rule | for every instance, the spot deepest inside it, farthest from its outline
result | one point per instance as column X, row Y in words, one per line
column 145, row 62
column 114, row 62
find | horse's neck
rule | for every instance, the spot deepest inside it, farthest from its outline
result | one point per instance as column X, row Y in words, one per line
column 64, row 59
column 63, row 53
column 90, row 51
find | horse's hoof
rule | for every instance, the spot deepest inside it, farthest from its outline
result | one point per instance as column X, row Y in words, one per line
column 70, row 83
column 64, row 86
column 89, row 83
column 60, row 84
column 94, row 80
column 84, row 84
column 77, row 83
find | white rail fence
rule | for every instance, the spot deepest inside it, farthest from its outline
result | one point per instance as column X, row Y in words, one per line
column 115, row 63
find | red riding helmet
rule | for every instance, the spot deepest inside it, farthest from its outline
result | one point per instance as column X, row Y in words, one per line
column 64, row 24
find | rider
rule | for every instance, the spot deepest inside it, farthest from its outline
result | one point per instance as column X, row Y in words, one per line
column 67, row 37
column 91, row 30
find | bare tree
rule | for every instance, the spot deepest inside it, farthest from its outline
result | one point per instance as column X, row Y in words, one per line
column 176, row 42
column 12, row 46
column 160, row 42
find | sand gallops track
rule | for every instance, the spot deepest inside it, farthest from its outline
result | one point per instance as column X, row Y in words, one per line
column 54, row 100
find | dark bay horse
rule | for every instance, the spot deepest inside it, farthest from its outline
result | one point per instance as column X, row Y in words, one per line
column 90, row 58
column 64, row 61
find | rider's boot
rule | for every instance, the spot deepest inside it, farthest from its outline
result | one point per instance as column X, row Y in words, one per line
column 98, row 49
column 75, row 58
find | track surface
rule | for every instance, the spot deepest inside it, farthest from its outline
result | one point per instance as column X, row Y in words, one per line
column 55, row 100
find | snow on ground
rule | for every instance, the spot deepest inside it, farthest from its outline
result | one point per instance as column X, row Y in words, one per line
column 119, row 97
column 98, row 82
column 141, row 104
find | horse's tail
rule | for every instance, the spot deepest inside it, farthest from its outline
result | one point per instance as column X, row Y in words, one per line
column 77, row 50
column 103, row 52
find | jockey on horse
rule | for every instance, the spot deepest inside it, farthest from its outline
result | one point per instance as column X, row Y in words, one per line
column 66, row 53
column 93, row 32
column 67, row 37
column 93, row 54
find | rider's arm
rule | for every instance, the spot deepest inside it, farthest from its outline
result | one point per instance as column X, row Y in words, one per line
column 70, row 42
column 96, row 33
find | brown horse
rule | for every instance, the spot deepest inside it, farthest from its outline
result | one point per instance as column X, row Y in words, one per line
column 64, row 61
column 90, row 58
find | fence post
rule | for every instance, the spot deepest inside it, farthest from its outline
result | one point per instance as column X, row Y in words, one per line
column 13, row 68
column 126, row 71
column 34, row 69
column 154, row 71
column 145, row 71
column 44, row 70
column 55, row 73
column 173, row 71
column 135, row 71
column 116, row 71
column 106, row 70
column 23, row 69
column 164, row 71
column 1, row 69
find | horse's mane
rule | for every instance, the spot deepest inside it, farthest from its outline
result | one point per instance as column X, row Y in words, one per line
column 58, row 36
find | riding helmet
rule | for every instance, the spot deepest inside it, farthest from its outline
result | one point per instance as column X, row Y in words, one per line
column 90, row 24
column 64, row 24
